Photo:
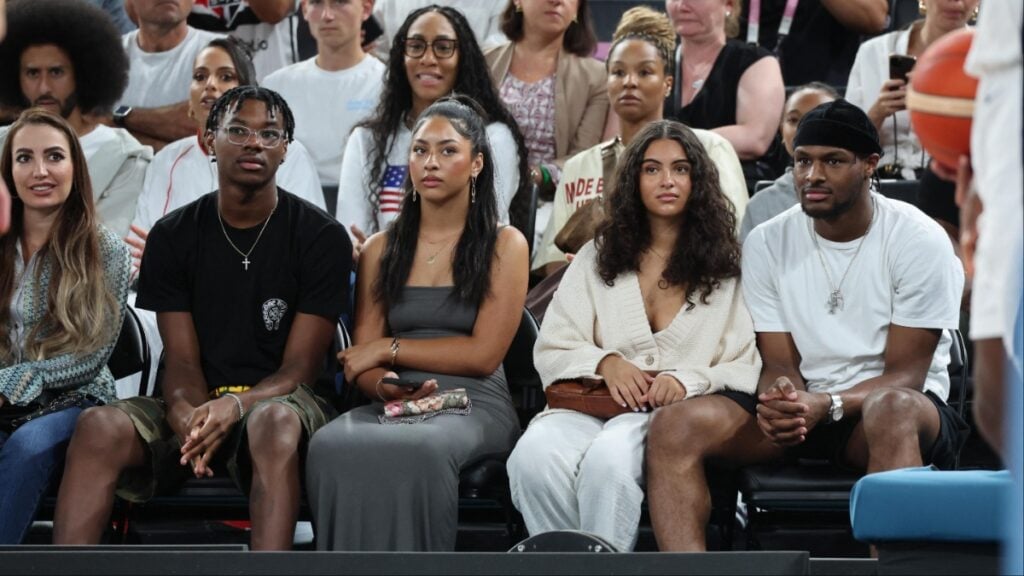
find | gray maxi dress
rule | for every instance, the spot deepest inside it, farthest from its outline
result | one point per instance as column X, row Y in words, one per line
column 395, row 487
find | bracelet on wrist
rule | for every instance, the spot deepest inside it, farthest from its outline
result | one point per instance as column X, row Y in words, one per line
column 394, row 350
column 241, row 407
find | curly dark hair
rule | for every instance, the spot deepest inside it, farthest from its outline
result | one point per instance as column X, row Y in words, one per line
column 473, row 80
column 471, row 265
column 580, row 38
column 706, row 251
column 88, row 36
column 234, row 98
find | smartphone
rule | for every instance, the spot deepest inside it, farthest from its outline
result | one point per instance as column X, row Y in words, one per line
column 403, row 382
column 371, row 29
column 900, row 65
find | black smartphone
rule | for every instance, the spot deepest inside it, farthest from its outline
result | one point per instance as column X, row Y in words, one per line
column 403, row 382
column 371, row 30
column 900, row 65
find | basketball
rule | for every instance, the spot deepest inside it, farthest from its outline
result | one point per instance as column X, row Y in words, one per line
column 941, row 98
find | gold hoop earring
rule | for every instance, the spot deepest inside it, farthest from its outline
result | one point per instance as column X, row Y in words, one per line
column 922, row 8
column 974, row 15
column 519, row 8
column 472, row 190
column 414, row 195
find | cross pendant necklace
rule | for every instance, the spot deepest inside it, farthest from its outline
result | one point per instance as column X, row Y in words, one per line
column 835, row 296
column 245, row 255
column 835, row 301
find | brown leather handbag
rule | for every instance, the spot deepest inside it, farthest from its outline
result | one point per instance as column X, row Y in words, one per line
column 587, row 395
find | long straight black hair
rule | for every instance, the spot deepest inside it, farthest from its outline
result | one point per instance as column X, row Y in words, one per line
column 471, row 262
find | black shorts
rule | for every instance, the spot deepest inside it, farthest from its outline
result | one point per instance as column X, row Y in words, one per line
column 828, row 441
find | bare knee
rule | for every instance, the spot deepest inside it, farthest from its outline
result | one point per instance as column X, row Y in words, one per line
column 679, row 431
column 102, row 430
column 273, row 430
column 888, row 410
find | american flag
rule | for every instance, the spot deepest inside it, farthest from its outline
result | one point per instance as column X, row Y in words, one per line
column 391, row 189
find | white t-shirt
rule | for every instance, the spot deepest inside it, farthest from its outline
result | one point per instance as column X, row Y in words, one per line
column 905, row 274
column 995, row 59
column 273, row 46
column 870, row 70
column 354, row 182
column 182, row 172
column 161, row 78
column 484, row 17
column 326, row 106
column 95, row 139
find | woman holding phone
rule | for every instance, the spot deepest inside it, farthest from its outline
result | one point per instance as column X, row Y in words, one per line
column 878, row 82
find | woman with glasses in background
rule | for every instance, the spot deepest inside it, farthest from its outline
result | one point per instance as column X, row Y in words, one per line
column 433, row 54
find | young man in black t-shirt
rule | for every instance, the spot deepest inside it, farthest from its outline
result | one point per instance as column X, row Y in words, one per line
column 247, row 283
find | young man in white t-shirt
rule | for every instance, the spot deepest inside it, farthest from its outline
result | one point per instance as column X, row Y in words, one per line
column 851, row 296
column 336, row 89
column 154, row 107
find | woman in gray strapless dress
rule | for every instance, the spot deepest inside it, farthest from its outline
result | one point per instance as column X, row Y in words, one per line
column 439, row 298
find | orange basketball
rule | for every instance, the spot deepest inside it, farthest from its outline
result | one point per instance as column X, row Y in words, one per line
column 941, row 98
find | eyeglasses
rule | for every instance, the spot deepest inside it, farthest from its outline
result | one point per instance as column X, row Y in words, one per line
column 444, row 48
column 240, row 135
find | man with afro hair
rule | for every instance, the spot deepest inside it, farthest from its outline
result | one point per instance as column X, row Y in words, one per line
column 66, row 56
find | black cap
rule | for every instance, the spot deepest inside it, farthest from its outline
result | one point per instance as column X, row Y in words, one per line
column 840, row 124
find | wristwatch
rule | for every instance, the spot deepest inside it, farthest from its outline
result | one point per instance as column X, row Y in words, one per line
column 121, row 114
column 835, row 411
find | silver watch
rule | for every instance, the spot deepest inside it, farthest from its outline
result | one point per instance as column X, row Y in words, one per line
column 835, row 411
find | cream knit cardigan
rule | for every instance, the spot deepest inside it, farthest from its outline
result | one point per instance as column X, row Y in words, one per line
column 708, row 349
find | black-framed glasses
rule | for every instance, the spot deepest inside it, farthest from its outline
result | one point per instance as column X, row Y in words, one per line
column 240, row 135
column 443, row 48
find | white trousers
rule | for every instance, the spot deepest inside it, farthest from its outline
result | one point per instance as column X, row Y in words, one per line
column 571, row 471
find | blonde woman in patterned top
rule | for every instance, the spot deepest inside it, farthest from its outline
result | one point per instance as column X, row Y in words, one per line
column 63, row 284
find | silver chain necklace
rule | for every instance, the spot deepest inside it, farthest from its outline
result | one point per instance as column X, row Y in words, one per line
column 245, row 255
column 835, row 297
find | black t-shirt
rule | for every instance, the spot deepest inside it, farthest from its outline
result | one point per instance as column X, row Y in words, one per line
column 243, row 317
column 818, row 47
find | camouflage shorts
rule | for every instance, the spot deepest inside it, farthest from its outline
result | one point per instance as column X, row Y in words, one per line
column 163, row 473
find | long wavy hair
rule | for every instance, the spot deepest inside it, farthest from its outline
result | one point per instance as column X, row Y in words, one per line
column 473, row 80
column 471, row 263
column 706, row 250
column 81, row 312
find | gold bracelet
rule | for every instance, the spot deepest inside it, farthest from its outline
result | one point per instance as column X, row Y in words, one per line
column 394, row 350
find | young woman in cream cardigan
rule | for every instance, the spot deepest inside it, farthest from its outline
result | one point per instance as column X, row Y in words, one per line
column 658, row 290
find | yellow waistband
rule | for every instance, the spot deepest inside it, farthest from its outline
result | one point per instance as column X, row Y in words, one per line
column 222, row 390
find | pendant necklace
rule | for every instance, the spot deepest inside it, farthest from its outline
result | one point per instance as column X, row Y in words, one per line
column 451, row 239
column 835, row 297
column 245, row 255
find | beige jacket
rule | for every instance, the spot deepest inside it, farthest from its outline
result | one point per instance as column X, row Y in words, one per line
column 581, row 98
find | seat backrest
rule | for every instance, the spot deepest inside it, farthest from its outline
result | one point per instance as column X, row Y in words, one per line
column 131, row 351
column 905, row 190
column 762, row 184
column 520, row 372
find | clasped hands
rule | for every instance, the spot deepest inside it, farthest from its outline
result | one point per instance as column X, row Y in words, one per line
column 786, row 414
column 359, row 358
column 630, row 386
column 208, row 426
